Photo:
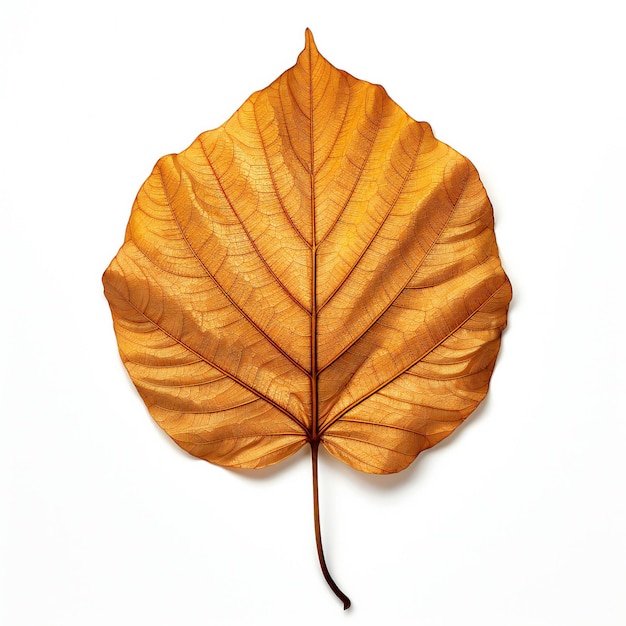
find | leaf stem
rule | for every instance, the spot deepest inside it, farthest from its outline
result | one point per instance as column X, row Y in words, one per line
column 318, row 535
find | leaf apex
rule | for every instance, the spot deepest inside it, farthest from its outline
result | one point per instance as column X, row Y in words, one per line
column 309, row 41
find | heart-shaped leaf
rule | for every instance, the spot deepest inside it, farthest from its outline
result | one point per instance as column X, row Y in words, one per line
column 319, row 270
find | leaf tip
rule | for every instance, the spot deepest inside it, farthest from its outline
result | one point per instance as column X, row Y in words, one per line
column 309, row 41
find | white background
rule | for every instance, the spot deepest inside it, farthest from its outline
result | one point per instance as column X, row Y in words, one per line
column 518, row 519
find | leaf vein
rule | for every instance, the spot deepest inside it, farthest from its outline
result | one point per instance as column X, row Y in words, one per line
column 408, row 280
column 274, row 185
column 396, row 376
column 217, row 367
column 361, row 169
column 219, row 285
column 380, row 225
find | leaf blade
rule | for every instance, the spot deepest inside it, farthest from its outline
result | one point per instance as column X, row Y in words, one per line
column 318, row 249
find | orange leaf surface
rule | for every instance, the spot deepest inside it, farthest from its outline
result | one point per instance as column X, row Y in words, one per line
column 319, row 270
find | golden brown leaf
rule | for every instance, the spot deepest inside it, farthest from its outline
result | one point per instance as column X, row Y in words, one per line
column 320, row 269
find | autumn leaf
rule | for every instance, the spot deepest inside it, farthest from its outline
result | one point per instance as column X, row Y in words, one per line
column 320, row 270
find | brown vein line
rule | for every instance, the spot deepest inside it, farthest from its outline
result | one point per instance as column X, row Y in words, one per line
column 314, row 311
column 203, row 383
column 127, row 359
column 295, row 100
column 320, row 166
column 480, row 217
column 160, row 267
column 275, row 187
column 206, row 412
column 133, row 241
column 274, row 450
column 409, row 373
column 405, row 370
column 282, row 108
column 393, row 426
column 476, row 265
column 329, row 444
column 236, row 437
column 358, row 178
column 375, row 445
column 217, row 367
column 380, row 225
column 216, row 282
column 138, row 207
column 430, row 407
column 408, row 280
column 250, row 238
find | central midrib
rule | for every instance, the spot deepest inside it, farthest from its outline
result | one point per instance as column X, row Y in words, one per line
column 314, row 393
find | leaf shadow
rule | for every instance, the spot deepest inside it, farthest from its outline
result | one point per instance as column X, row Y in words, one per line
column 379, row 483
column 382, row 483
column 375, row 483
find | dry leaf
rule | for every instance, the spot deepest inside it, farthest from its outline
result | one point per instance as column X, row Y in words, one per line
column 318, row 270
